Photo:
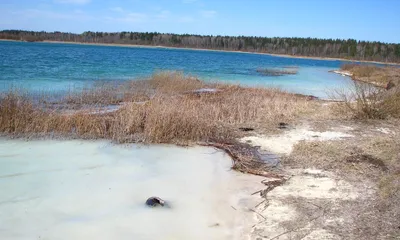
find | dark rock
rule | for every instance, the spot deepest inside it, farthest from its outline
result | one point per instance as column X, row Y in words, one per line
column 215, row 225
column 283, row 125
column 246, row 129
column 390, row 85
column 155, row 202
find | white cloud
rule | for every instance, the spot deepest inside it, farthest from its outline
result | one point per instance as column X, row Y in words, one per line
column 81, row 2
column 131, row 18
column 208, row 13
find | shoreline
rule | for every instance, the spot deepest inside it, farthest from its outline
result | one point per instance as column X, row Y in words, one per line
column 350, row 75
column 211, row 50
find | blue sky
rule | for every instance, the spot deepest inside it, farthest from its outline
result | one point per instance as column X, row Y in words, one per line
column 374, row 20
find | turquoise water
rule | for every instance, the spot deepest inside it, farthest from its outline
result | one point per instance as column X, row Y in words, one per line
column 50, row 66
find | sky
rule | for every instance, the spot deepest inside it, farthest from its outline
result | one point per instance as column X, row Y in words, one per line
column 372, row 20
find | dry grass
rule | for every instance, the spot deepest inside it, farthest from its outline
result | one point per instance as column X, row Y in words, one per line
column 174, row 82
column 364, row 160
column 360, row 70
column 278, row 72
column 374, row 74
column 365, row 101
column 167, row 111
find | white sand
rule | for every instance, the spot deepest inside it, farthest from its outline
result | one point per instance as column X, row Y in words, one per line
column 319, row 190
column 283, row 144
column 96, row 190
column 343, row 73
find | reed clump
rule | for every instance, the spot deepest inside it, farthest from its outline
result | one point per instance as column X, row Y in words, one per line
column 377, row 75
column 277, row 71
column 164, row 108
column 365, row 101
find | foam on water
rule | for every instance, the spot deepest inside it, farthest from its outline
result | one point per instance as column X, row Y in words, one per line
column 96, row 190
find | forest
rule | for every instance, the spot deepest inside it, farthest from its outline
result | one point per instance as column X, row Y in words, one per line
column 309, row 47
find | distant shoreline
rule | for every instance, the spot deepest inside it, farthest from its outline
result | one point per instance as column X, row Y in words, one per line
column 205, row 49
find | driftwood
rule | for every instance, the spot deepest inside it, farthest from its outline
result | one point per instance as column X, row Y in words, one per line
column 271, row 184
column 246, row 159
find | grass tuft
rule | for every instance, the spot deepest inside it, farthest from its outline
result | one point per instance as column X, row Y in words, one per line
column 161, row 109
column 365, row 101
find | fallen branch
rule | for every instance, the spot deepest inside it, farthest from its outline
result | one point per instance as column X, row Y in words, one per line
column 245, row 159
column 259, row 214
column 260, row 203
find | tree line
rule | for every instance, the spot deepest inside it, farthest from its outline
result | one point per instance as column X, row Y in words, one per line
column 310, row 47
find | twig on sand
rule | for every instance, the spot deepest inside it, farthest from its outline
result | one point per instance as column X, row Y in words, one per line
column 257, row 223
column 259, row 214
column 272, row 184
column 254, row 193
column 260, row 203
column 298, row 228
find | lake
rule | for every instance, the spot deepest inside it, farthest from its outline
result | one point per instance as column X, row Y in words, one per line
column 57, row 66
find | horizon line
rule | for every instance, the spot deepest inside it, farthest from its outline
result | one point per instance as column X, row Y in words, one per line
column 209, row 35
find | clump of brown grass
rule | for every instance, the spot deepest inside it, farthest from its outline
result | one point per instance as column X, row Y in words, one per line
column 278, row 72
column 168, row 111
column 174, row 82
column 178, row 114
column 360, row 70
column 99, row 93
column 18, row 115
column 374, row 74
column 363, row 160
column 365, row 101
column 348, row 66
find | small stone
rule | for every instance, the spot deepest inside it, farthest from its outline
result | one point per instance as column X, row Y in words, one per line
column 390, row 85
column 246, row 129
column 155, row 201
column 283, row 125
column 215, row 225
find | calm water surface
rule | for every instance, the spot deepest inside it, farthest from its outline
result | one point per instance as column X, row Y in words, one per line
column 48, row 66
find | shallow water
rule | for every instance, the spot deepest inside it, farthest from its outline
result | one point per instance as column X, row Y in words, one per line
column 96, row 190
column 48, row 66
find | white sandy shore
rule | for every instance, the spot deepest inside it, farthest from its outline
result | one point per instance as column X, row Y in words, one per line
column 96, row 190
column 283, row 144
column 349, row 74
column 293, row 210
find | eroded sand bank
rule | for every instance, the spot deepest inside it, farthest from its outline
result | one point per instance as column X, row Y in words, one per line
column 96, row 190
